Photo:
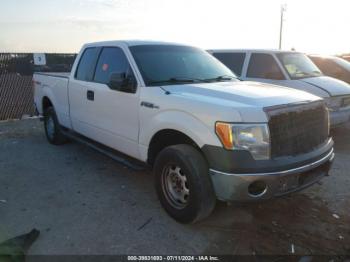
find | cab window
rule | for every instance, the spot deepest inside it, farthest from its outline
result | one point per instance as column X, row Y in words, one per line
column 111, row 60
column 264, row 66
column 86, row 65
column 234, row 61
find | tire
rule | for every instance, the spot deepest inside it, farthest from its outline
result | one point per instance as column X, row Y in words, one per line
column 52, row 128
column 183, row 184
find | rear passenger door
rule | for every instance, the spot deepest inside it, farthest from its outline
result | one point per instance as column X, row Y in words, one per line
column 81, row 111
column 263, row 67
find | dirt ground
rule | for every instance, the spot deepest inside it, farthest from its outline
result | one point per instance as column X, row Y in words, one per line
column 85, row 203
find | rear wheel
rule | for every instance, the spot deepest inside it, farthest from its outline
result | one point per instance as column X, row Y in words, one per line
column 52, row 128
column 183, row 183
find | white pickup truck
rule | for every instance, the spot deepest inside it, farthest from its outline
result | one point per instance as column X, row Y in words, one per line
column 176, row 108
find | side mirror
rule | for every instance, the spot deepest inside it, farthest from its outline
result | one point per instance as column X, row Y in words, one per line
column 122, row 82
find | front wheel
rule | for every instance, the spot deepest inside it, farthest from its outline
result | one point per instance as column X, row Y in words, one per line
column 52, row 128
column 183, row 184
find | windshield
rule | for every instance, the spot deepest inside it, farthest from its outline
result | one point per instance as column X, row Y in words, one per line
column 171, row 64
column 342, row 62
column 298, row 65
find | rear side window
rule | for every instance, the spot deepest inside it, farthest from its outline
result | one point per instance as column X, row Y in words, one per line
column 264, row 66
column 234, row 61
column 112, row 60
column 86, row 65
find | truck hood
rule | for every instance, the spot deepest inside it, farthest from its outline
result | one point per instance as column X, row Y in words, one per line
column 241, row 94
column 332, row 86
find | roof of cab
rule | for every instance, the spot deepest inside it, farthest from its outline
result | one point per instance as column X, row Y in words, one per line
column 253, row 50
column 131, row 43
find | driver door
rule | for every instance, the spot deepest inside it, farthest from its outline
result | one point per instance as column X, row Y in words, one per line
column 116, row 112
column 110, row 117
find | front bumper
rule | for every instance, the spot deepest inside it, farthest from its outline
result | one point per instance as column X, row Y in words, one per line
column 339, row 117
column 235, row 187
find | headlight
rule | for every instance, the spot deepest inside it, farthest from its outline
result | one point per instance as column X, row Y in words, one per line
column 254, row 138
column 333, row 103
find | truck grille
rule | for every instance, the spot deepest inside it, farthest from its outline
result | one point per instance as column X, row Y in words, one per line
column 297, row 129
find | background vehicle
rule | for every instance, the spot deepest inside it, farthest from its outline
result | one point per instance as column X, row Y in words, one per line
column 333, row 66
column 346, row 57
column 178, row 109
column 291, row 69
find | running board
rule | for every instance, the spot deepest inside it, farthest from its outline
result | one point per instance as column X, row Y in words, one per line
column 115, row 155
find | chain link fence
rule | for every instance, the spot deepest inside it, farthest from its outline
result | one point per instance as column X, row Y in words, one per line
column 16, row 73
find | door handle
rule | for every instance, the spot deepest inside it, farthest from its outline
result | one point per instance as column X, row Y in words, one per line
column 90, row 95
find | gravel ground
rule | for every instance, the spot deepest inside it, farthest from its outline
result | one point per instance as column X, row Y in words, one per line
column 85, row 203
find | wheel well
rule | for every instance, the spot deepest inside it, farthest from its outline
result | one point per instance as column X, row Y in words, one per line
column 165, row 138
column 46, row 103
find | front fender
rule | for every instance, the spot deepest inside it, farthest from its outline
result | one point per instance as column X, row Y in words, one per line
column 180, row 121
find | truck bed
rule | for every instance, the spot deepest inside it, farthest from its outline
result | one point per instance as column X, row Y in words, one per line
column 54, row 74
column 56, row 85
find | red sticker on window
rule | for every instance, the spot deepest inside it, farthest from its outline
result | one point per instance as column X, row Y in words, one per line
column 105, row 67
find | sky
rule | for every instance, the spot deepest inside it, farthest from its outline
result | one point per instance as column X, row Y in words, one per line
column 312, row 26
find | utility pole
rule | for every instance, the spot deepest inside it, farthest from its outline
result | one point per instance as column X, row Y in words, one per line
column 283, row 9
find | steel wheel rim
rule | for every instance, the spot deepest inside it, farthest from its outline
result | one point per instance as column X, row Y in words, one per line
column 175, row 186
column 50, row 127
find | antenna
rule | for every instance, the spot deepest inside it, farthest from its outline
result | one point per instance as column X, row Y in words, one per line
column 283, row 10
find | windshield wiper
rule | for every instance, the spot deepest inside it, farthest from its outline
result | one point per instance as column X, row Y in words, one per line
column 221, row 78
column 177, row 80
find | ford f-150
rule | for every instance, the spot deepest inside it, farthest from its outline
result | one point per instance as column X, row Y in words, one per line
column 179, row 110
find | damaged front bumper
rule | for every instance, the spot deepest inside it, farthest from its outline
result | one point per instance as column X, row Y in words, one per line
column 255, row 186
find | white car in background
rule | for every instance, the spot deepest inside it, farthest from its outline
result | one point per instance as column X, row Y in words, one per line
column 291, row 69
